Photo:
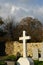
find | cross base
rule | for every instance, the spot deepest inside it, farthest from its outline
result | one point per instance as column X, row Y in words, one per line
column 25, row 61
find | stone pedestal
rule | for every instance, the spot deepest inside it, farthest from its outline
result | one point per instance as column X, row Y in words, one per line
column 10, row 62
column 25, row 61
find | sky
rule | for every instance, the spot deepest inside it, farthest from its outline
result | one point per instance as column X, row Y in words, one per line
column 22, row 8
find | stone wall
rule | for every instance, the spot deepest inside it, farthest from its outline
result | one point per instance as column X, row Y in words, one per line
column 9, row 48
column 12, row 48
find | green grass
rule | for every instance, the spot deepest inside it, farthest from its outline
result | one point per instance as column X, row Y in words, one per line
column 14, row 58
column 36, row 62
column 2, row 63
column 11, row 58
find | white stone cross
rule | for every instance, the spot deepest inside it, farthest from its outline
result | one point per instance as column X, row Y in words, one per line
column 24, row 38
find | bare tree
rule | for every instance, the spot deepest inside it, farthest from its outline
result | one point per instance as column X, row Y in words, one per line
column 33, row 28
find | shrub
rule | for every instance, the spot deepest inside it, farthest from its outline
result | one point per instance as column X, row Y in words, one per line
column 3, row 63
column 18, row 55
column 37, row 62
column 40, row 63
column 11, row 58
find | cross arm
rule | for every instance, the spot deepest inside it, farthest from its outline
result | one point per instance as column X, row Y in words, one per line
column 20, row 38
column 27, row 37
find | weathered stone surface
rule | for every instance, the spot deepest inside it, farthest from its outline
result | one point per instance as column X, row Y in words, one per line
column 35, row 53
column 9, row 48
column 41, row 58
column 10, row 62
column 14, row 47
column 25, row 61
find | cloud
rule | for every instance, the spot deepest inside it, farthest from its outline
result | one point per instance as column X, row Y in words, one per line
column 5, row 10
column 19, row 12
column 23, row 0
column 13, row 8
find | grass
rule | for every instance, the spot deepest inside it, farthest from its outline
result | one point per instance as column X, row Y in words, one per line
column 2, row 63
column 36, row 62
column 13, row 58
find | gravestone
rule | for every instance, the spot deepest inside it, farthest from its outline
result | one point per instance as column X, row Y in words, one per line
column 10, row 62
column 24, row 60
column 41, row 59
column 35, row 53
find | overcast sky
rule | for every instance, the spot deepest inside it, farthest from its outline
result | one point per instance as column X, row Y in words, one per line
column 22, row 8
